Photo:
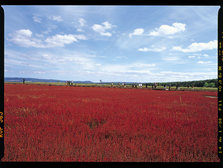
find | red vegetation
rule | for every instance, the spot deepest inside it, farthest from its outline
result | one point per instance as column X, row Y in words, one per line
column 60, row 123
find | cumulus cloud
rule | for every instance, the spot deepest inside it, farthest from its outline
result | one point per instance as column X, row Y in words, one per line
column 102, row 28
column 197, row 47
column 136, row 32
column 153, row 49
column 56, row 18
column 168, row 30
column 24, row 38
column 24, row 32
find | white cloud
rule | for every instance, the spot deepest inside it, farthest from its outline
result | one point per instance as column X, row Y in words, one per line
column 85, row 63
column 25, row 32
column 92, row 69
column 14, row 58
column 69, row 59
column 56, row 18
column 39, row 35
column 197, row 47
column 137, row 68
column 191, row 56
column 137, row 32
column 199, row 56
column 134, row 73
column 24, row 38
column 118, row 57
column 60, row 40
column 168, row 30
column 9, row 61
column 39, row 72
column 143, row 49
column 102, row 29
column 82, row 22
column 47, row 56
column 204, row 62
column 171, row 58
column 80, row 30
column 49, row 29
column 153, row 49
column 37, row 19
column 169, row 76
column 141, row 65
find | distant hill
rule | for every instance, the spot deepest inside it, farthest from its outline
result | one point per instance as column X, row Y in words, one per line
column 18, row 79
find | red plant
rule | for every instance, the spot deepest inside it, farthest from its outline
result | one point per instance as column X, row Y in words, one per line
column 59, row 123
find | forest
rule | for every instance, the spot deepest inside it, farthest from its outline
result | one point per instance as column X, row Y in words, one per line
column 201, row 83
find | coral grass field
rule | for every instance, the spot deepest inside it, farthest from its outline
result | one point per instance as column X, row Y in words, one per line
column 60, row 123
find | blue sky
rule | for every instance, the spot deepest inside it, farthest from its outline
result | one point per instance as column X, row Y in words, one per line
column 111, row 43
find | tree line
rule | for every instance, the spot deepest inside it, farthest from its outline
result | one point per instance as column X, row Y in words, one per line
column 200, row 83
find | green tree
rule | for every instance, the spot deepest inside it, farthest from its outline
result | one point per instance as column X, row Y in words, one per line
column 206, row 84
column 212, row 84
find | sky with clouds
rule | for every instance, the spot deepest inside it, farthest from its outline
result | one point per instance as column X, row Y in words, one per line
column 111, row 43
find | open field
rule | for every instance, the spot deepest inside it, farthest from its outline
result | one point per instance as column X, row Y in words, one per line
column 61, row 123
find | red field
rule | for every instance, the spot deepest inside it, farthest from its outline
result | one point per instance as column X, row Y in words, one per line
column 60, row 123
